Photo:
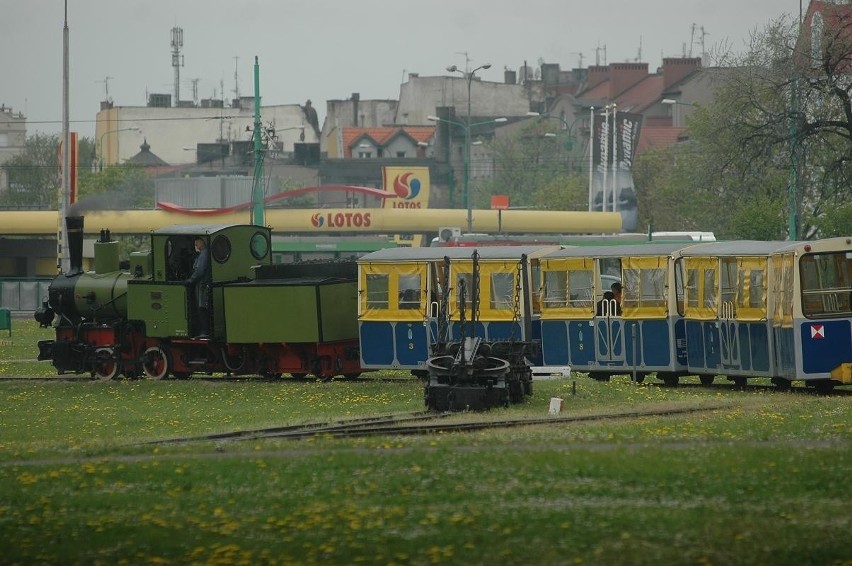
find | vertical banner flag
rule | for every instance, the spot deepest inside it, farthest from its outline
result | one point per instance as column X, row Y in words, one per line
column 624, row 128
column 410, row 185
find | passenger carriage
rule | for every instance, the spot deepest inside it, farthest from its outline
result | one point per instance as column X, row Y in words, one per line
column 644, row 334
column 727, row 309
column 400, row 291
column 812, row 316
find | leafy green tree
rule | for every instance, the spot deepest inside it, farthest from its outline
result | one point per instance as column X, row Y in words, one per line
column 34, row 174
column 532, row 168
column 117, row 187
column 780, row 125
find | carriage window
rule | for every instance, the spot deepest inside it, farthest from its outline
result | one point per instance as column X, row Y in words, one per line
column 826, row 284
column 180, row 255
column 502, row 290
column 755, row 289
column 692, row 287
column 644, row 287
column 221, row 248
column 258, row 245
column 709, row 288
column 409, row 291
column 555, row 289
column 580, row 292
column 468, row 286
column 679, row 287
column 727, row 280
column 377, row 291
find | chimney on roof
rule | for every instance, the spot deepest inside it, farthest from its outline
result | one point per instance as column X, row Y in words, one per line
column 622, row 76
column 509, row 77
column 597, row 75
column 355, row 98
column 675, row 69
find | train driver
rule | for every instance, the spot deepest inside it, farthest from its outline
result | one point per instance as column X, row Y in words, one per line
column 200, row 278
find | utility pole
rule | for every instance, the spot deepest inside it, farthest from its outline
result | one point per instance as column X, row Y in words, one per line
column 257, row 182
column 63, row 257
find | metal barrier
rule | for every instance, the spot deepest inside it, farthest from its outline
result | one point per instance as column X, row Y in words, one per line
column 6, row 320
column 18, row 294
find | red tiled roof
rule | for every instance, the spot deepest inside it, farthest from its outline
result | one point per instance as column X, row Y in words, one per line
column 652, row 138
column 642, row 94
column 381, row 136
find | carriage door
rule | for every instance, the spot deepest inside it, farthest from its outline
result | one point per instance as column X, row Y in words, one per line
column 729, row 348
column 411, row 336
column 609, row 326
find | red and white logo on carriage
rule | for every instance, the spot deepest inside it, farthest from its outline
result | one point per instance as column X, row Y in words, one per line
column 817, row 331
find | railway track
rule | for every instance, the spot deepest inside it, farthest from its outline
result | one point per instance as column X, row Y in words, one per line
column 416, row 424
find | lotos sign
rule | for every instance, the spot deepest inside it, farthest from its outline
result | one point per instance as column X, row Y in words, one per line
column 410, row 185
column 341, row 220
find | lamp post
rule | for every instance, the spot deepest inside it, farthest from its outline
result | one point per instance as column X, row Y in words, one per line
column 466, row 158
column 466, row 153
column 101, row 143
column 569, row 143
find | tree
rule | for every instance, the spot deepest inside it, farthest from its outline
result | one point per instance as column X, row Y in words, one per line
column 780, row 126
column 532, row 169
column 34, row 174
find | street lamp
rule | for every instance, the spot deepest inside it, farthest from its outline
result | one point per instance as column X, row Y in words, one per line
column 466, row 159
column 467, row 200
column 677, row 116
column 101, row 143
column 569, row 143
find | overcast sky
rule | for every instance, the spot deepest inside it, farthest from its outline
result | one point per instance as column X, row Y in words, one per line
column 328, row 49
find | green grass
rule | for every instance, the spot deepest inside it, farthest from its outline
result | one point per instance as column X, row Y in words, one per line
column 754, row 477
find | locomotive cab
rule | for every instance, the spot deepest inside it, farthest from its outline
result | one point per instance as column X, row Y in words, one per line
column 165, row 302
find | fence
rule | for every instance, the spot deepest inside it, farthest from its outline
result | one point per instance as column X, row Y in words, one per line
column 22, row 294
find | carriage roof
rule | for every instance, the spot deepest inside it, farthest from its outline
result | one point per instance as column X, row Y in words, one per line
column 399, row 255
column 650, row 249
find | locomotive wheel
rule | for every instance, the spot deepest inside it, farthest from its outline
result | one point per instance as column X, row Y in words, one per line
column 155, row 362
column 352, row 375
column 105, row 367
column 299, row 375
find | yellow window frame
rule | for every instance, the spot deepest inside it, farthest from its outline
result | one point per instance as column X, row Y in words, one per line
column 487, row 269
column 635, row 302
column 581, row 309
column 704, row 309
column 746, row 266
column 395, row 309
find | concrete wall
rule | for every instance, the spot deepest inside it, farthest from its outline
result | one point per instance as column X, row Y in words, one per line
column 420, row 96
column 169, row 130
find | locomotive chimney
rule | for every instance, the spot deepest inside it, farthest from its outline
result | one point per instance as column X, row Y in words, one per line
column 74, row 228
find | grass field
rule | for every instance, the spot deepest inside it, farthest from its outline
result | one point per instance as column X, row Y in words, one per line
column 756, row 477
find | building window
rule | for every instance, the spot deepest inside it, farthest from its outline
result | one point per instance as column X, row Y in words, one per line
column 400, row 154
column 816, row 39
column 365, row 154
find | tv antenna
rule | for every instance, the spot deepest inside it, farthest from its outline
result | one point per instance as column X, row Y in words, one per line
column 106, row 87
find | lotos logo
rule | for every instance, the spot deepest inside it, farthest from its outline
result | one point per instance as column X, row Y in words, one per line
column 342, row 220
column 405, row 187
